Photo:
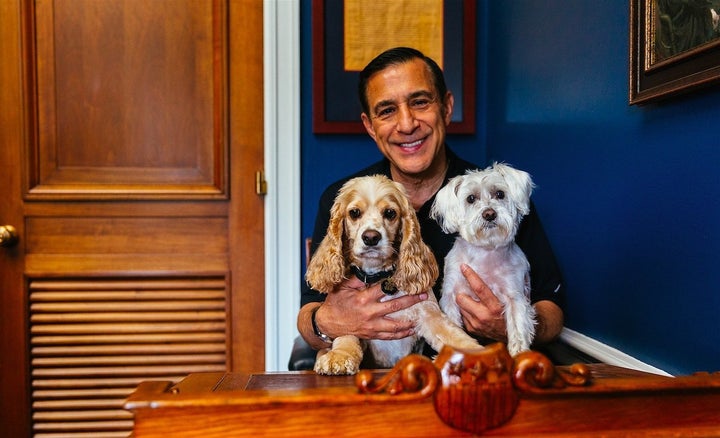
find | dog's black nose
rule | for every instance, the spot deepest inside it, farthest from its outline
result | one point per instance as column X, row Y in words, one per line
column 489, row 215
column 371, row 237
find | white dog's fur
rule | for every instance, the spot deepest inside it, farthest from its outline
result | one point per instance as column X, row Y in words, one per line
column 485, row 207
column 373, row 227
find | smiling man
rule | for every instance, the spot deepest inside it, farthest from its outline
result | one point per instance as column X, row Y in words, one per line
column 407, row 116
column 406, row 110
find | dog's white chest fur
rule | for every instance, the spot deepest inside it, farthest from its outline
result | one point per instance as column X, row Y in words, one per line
column 387, row 352
column 503, row 269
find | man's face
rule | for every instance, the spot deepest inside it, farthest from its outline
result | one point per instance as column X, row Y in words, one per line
column 407, row 119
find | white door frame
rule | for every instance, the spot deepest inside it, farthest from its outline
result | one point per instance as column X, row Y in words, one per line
column 282, row 172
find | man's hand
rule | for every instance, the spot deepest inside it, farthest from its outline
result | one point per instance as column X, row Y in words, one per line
column 481, row 311
column 354, row 309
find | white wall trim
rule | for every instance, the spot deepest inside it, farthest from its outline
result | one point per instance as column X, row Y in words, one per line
column 606, row 353
column 281, row 23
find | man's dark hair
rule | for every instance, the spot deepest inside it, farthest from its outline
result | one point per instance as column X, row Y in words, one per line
column 396, row 56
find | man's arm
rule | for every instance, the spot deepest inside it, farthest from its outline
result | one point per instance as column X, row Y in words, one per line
column 353, row 309
column 304, row 325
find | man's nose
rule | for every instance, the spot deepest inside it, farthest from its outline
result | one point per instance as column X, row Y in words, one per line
column 406, row 121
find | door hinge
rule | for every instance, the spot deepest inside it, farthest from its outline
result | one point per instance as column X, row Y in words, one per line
column 260, row 183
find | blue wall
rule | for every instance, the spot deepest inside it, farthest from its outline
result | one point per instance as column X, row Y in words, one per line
column 629, row 195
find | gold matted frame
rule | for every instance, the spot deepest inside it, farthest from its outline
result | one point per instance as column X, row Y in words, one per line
column 335, row 106
column 663, row 64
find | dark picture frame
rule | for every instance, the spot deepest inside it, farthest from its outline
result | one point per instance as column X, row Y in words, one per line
column 661, row 63
column 336, row 109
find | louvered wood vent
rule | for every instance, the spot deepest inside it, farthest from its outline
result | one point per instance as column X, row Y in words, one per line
column 93, row 341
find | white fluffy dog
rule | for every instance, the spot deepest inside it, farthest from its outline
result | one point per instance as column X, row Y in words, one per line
column 374, row 235
column 485, row 207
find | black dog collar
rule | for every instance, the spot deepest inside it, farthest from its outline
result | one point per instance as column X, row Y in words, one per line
column 370, row 278
column 387, row 286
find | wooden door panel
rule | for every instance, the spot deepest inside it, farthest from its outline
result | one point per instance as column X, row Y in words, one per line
column 130, row 98
column 131, row 245
column 130, row 235
column 141, row 253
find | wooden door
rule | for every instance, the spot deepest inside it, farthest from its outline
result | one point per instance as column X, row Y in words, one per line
column 131, row 132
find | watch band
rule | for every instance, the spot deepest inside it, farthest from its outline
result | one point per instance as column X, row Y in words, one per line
column 317, row 331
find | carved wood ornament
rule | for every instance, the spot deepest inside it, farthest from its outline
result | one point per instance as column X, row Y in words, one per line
column 474, row 390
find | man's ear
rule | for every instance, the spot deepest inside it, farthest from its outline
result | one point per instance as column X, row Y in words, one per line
column 368, row 125
column 448, row 107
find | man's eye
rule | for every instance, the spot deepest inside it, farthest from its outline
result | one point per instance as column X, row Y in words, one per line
column 389, row 214
column 386, row 112
column 471, row 199
column 420, row 103
column 499, row 194
column 355, row 213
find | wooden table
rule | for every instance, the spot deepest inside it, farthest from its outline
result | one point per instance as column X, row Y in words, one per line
column 616, row 402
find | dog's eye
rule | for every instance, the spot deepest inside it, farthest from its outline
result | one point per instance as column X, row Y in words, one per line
column 389, row 214
column 470, row 199
column 499, row 194
column 354, row 213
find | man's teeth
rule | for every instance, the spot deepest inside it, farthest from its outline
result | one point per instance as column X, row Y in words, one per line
column 410, row 145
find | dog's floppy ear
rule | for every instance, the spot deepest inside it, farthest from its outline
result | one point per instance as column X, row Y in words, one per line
column 327, row 264
column 520, row 184
column 417, row 268
column 446, row 209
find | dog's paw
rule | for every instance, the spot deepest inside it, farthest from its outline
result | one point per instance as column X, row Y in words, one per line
column 336, row 363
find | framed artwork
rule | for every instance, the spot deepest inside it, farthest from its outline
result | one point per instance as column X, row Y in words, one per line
column 674, row 47
column 346, row 34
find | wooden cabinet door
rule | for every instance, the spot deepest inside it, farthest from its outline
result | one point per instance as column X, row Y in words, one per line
column 131, row 132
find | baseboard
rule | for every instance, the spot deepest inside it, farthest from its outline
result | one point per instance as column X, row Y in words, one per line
column 605, row 353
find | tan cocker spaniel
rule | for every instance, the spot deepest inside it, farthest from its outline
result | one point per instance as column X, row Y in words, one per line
column 375, row 235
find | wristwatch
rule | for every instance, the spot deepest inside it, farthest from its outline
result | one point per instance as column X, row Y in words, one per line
column 317, row 331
